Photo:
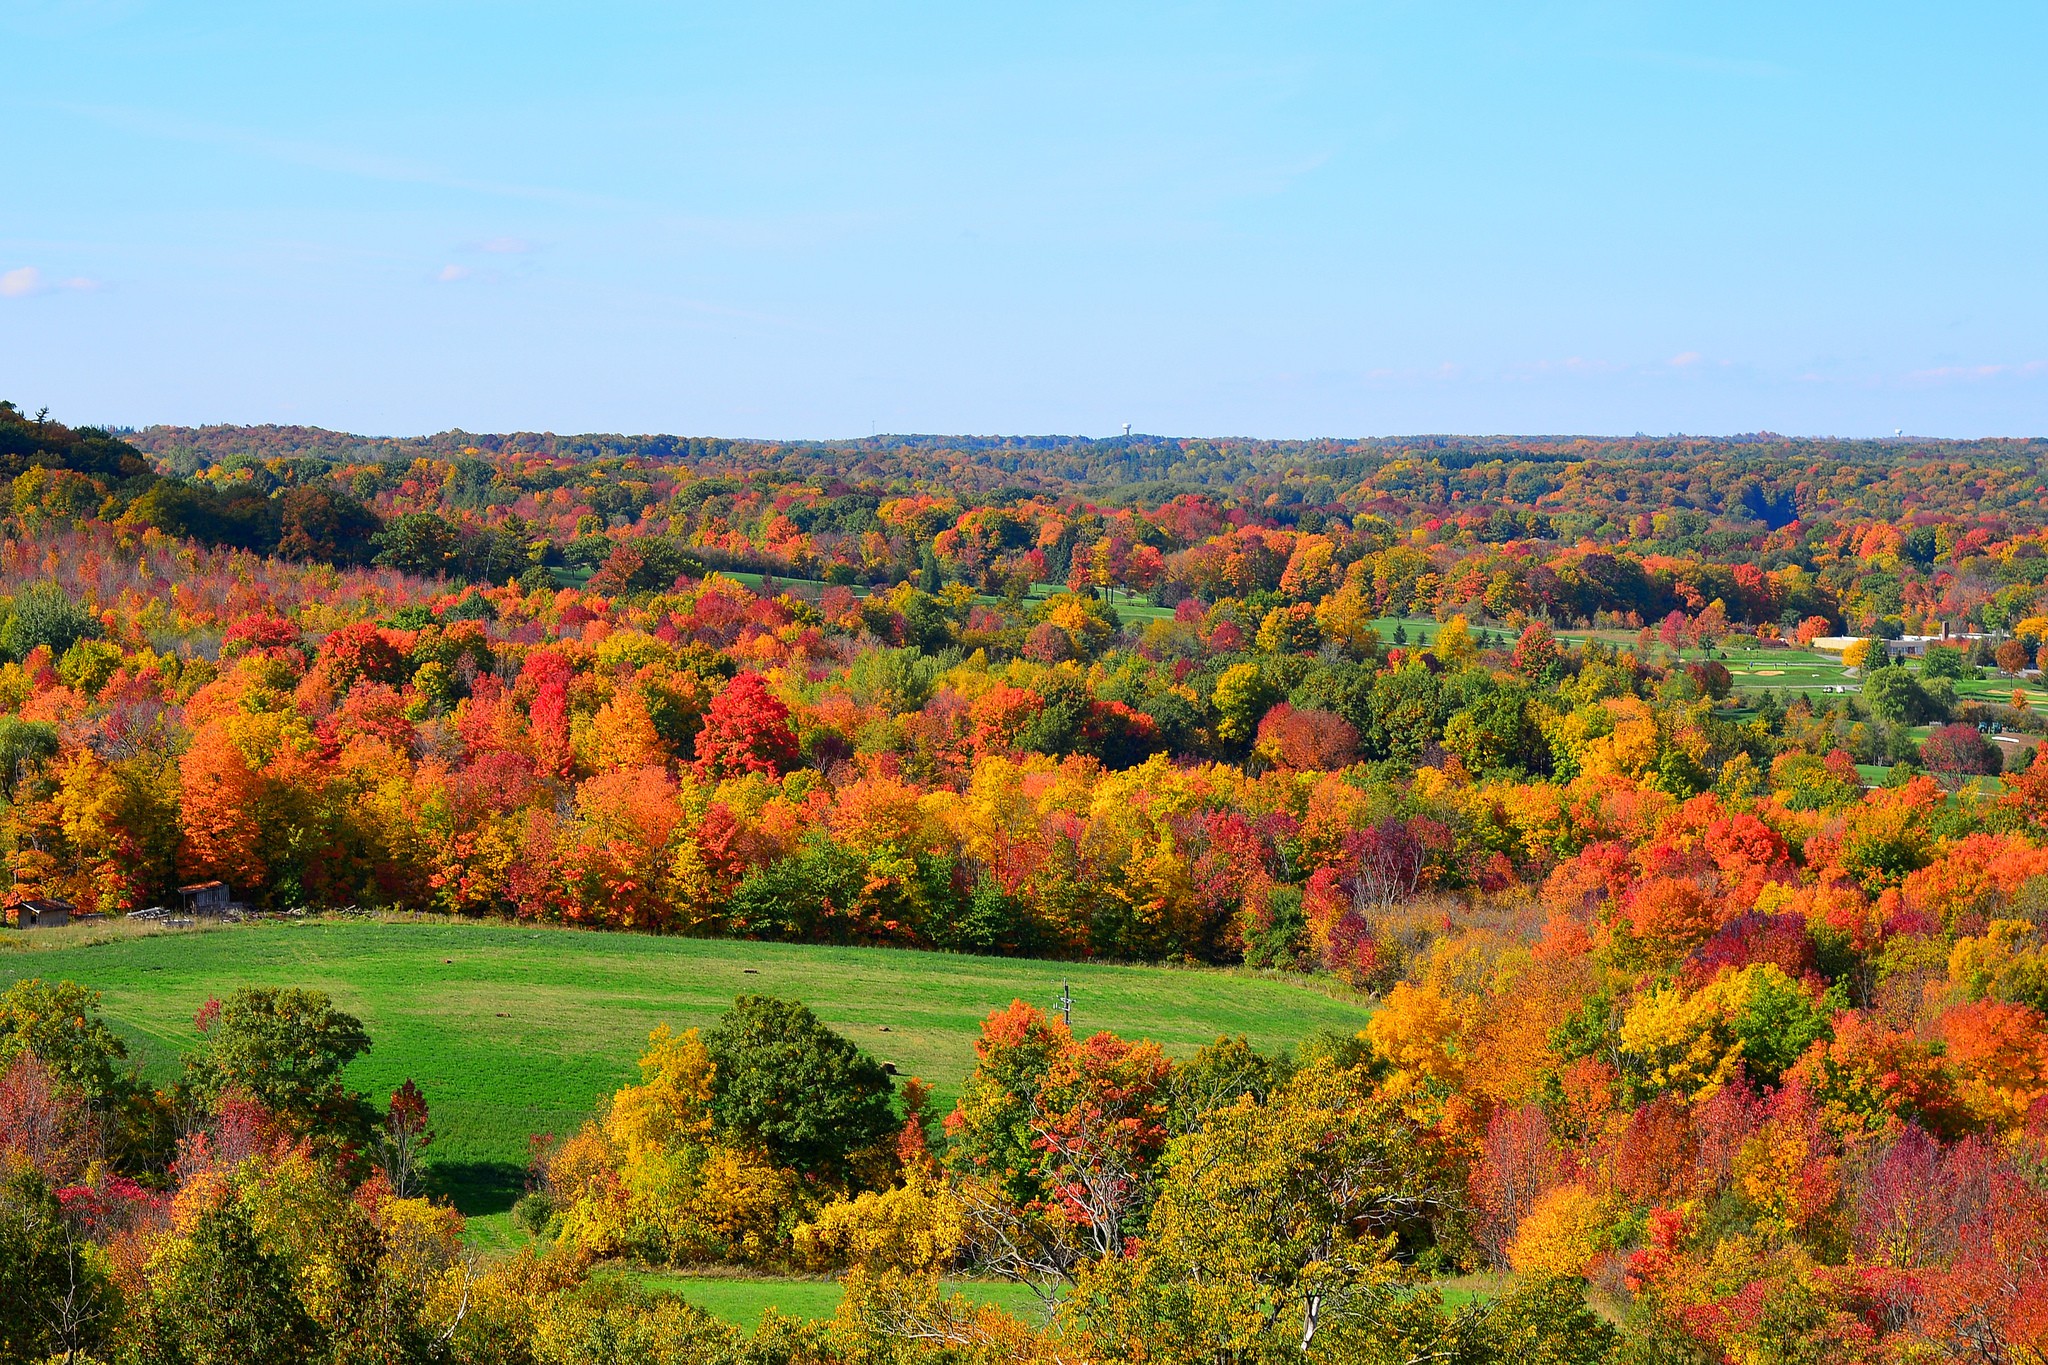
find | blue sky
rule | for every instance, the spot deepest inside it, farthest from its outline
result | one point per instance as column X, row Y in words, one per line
column 820, row 220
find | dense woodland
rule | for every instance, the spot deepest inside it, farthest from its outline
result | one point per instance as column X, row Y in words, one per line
column 1677, row 1016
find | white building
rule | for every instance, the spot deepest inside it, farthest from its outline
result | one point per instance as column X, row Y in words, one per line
column 1905, row 647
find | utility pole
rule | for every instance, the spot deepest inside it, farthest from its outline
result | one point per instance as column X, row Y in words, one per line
column 1066, row 1004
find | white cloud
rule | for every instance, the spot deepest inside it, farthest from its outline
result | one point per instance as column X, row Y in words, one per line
column 1686, row 359
column 20, row 283
column 1966, row 374
column 450, row 273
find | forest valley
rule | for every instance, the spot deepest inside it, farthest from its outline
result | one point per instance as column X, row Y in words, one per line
column 1677, row 1017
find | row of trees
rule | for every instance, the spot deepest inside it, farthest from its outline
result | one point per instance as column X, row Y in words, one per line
column 1877, row 541
column 1768, row 1203
column 1819, row 1193
column 903, row 767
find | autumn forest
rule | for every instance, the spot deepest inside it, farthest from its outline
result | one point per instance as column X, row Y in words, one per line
column 1671, row 804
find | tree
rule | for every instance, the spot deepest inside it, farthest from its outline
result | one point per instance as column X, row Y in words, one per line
column 1557, row 1238
column 1518, row 1166
column 55, row 1301
column 1943, row 661
column 1999, row 1051
column 1895, row 695
column 1536, row 655
column 405, row 1139
column 419, row 543
column 989, row 1130
column 1242, row 696
column 59, row 1025
column 1306, row 740
column 1273, row 1222
column 746, row 730
column 224, row 1294
column 791, row 1087
column 325, row 524
column 1955, row 753
column 1546, row 1322
column 1669, row 916
column 814, row 893
column 285, row 1049
column 1289, row 630
column 1098, row 1127
column 219, row 832
column 1495, row 733
column 1811, row 629
column 1756, row 1018
column 45, row 615
column 25, row 745
column 1872, row 1077
column 614, row 1321
column 1406, row 706
column 357, row 651
column 2012, row 656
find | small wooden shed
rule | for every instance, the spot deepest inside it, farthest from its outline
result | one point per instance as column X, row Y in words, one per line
column 40, row 913
column 205, row 898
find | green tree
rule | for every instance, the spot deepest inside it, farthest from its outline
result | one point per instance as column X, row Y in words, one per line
column 44, row 614
column 992, row 1137
column 419, row 542
column 1061, row 723
column 55, row 1301
column 219, row 1295
column 59, row 1024
column 795, row 1089
column 25, row 746
column 285, row 1049
column 1496, row 733
column 1679, row 774
column 324, row 523
column 800, row 896
column 88, row 664
column 610, row 1320
column 1546, row 1322
column 1945, row 661
column 896, row 679
column 1407, row 713
column 1217, row 1076
column 1243, row 695
column 1341, row 687
column 1894, row 694
column 1777, row 1020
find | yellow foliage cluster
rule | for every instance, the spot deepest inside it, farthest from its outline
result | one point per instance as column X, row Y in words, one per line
column 1680, row 1042
column 1418, row 1031
column 650, row 1180
column 916, row 1228
column 1559, row 1235
column 2006, row 962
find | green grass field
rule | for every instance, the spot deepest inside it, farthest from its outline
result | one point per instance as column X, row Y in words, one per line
column 742, row 1301
column 513, row 1031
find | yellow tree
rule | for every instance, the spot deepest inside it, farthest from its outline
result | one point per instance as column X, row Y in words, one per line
column 1273, row 1223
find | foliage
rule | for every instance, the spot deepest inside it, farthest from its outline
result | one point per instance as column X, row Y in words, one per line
column 284, row 1049
column 787, row 1084
column 1273, row 1222
column 1670, row 994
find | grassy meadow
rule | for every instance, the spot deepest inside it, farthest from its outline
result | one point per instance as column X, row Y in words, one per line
column 743, row 1300
column 513, row 1031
